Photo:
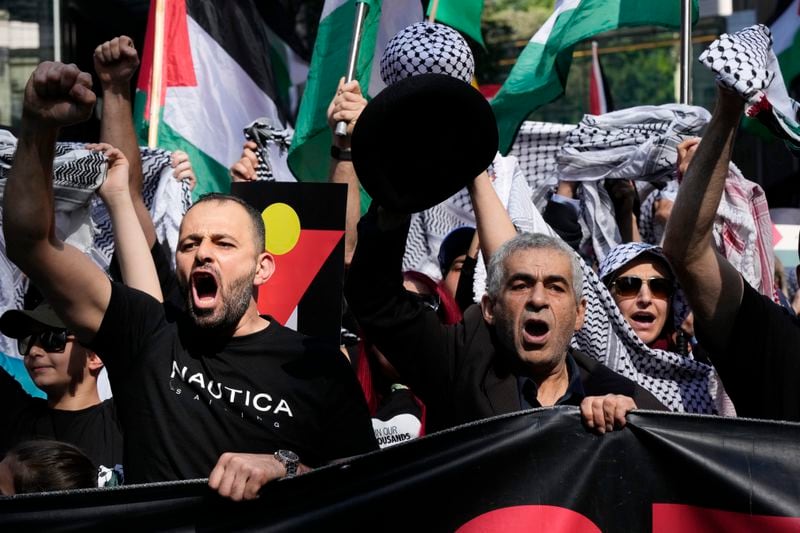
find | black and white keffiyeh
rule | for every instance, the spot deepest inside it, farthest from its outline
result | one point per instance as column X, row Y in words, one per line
column 745, row 62
column 741, row 61
column 424, row 48
column 81, row 218
column 536, row 146
column 637, row 144
column 651, row 231
column 268, row 137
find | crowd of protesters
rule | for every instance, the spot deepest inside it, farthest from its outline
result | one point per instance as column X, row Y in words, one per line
column 506, row 319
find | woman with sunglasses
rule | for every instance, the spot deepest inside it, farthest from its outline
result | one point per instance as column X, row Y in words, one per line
column 641, row 282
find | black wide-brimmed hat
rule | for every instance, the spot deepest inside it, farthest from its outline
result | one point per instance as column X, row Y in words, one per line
column 422, row 139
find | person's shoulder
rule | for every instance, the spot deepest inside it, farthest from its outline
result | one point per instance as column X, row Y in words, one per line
column 757, row 306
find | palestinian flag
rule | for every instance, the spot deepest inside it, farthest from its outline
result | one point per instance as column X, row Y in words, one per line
column 309, row 157
column 786, row 41
column 540, row 73
column 216, row 78
column 463, row 15
column 305, row 234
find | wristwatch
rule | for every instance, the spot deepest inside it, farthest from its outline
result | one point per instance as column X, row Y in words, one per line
column 290, row 460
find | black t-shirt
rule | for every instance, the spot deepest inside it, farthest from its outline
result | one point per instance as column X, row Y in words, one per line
column 760, row 363
column 184, row 398
column 94, row 430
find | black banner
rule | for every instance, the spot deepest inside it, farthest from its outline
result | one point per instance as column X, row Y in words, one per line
column 533, row 471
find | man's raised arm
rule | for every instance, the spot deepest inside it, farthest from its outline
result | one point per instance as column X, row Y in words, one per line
column 713, row 285
column 115, row 62
column 56, row 95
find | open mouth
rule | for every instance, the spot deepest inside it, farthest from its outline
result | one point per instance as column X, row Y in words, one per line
column 204, row 288
column 643, row 318
column 536, row 331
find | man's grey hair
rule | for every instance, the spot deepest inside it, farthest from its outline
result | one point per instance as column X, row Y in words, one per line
column 496, row 269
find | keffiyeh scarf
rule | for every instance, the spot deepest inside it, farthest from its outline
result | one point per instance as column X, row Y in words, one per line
column 744, row 62
column 81, row 218
column 272, row 144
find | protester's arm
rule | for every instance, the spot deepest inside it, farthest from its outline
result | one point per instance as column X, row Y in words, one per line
column 346, row 106
column 408, row 333
column 624, row 197
column 115, row 62
column 56, row 95
column 465, row 292
column 494, row 224
column 562, row 213
column 606, row 413
column 713, row 285
column 130, row 245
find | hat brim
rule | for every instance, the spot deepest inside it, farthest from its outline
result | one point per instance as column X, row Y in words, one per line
column 421, row 140
column 17, row 323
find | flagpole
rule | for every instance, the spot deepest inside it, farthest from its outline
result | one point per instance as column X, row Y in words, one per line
column 361, row 14
column 686, row 52
column 156, row 75
column 434, row 9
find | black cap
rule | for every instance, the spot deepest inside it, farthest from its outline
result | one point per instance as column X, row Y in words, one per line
column 456, row 243
column 18, row 323
column 421, row 140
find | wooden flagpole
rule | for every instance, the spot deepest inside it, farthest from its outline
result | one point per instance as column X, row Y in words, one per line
column 434, row 9
column 156, row 74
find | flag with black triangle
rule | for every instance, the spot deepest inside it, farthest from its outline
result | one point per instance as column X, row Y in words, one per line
column 305, row 234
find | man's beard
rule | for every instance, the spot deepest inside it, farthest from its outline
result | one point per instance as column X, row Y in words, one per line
column 235, row 302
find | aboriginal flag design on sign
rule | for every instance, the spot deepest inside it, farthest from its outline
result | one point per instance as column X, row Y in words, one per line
column 305, row 234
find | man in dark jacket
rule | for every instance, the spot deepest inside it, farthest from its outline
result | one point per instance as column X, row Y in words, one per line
column 510, row 353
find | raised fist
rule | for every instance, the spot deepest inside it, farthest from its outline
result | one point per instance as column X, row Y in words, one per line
column 115, row 61
column 58, row 95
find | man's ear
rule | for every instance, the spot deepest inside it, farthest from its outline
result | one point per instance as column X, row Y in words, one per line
column 487, row 309
column 265, row 268
column 581, row 314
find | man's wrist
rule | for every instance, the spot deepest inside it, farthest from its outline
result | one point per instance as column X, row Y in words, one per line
column 341, row 154
column 112, row 89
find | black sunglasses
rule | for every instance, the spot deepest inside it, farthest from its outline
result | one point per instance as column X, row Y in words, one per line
column 629, row 286
column 51, row 340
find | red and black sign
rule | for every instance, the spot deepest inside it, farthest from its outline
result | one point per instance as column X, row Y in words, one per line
column 305, row 234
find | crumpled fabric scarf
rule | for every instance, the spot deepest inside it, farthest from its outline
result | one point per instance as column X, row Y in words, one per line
column 743, row 232
column 649, row 230
column 639, row 143
column 272, row 144
column 745, row 62
column 81, row 218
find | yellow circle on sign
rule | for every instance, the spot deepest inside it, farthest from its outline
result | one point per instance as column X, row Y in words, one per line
column 283, row 228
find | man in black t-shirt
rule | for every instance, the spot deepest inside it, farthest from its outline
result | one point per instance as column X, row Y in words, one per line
column 753, row 342
column 67, row 372
column 217, row 378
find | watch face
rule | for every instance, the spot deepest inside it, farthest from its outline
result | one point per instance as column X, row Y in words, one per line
column 288, row 456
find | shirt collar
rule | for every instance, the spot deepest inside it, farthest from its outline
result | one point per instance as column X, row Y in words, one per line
column 572, row 396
